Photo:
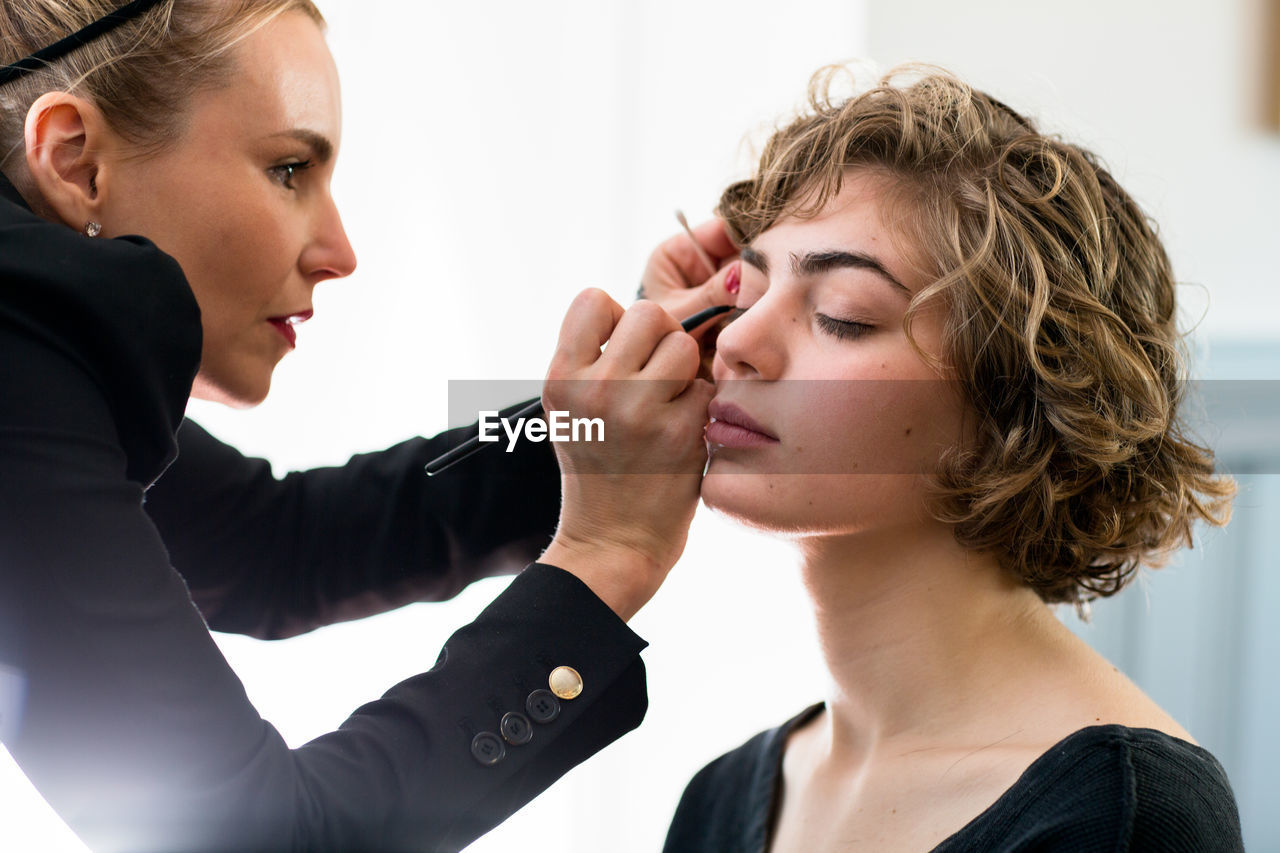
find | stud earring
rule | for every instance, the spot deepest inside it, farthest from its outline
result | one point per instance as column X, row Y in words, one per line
column 93, row 229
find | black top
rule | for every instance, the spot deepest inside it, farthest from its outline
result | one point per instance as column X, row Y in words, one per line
column 114, row 699
column 1102, row 789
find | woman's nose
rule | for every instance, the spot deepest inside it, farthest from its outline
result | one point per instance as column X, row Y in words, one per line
column 329, row 254
column 750, row 347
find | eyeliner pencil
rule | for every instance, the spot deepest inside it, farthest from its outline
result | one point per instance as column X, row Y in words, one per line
column 474, row 444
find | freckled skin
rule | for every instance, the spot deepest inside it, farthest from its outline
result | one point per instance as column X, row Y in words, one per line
column 838, row 405
column 949, row 676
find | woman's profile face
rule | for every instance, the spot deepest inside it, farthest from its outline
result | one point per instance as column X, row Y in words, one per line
column 242, row 202
column 847, row 415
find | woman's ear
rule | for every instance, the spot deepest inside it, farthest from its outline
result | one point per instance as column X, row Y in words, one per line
column 64, row 137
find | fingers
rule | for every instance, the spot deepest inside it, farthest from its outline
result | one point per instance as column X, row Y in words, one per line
column 720, row 289
column 587, row 326
column 620, row 533
column 676, row 360
column 690, row 419
column 676, row 265
column 679, row 250
column 643, row 342
column 713, row 235
column 637, row 336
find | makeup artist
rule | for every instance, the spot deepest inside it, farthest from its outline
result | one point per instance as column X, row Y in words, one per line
column 210, row 127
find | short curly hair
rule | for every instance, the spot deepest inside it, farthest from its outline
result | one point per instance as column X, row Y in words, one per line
column 1060, row 331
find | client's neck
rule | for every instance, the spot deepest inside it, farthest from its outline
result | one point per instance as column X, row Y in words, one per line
column 919, row 634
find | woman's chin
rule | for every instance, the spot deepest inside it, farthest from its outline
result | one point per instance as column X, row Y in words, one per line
column 798, row 505
column 239, row 392
column 753, row 500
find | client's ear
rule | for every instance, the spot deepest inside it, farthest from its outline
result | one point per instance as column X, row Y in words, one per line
column 64, row 135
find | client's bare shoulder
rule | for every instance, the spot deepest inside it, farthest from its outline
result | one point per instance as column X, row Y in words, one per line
column 1097, row 693
column 1052, row 684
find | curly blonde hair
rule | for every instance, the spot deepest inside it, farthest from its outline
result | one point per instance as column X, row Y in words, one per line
column 1061, row 328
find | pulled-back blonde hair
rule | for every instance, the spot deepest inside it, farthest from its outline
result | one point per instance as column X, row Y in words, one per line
column 141, row 75
column 1061, row 329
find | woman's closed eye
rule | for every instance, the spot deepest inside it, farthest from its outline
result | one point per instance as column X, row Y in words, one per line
column 843, row 329
column 286, row 172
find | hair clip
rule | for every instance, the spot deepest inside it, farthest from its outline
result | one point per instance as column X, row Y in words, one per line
column 45, row 55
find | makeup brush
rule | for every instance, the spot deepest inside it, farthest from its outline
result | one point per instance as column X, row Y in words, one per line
column 474, row 444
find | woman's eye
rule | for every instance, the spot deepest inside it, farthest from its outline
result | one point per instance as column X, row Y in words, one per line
column 842, row 329
column 286, row 172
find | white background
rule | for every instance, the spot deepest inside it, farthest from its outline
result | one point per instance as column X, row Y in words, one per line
column 499, row 157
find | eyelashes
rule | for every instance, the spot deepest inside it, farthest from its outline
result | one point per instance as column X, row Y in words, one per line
column 841, row 329
column 286, row 172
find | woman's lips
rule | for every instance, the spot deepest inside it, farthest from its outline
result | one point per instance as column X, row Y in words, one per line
column 732, row 427
column 284, row 325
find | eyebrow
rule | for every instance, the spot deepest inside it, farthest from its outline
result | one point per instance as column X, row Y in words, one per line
column 755, row 258
column 319, row 143
column 816, row 263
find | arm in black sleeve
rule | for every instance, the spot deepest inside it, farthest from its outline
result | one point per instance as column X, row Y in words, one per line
column 273, row 558
column 137, row 732
column 114, row 699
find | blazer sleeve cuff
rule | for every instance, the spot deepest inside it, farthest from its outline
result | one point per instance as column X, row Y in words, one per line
column 565, row 625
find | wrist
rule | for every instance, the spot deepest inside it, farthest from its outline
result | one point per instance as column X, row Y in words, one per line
column 622, row 577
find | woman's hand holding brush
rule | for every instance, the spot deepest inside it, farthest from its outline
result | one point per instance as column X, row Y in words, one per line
column 627, row 500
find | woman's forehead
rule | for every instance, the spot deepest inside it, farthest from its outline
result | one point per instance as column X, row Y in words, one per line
column 859, row 219
column 284, row 81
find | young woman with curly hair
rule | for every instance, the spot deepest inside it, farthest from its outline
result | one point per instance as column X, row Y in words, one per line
column 954, row 385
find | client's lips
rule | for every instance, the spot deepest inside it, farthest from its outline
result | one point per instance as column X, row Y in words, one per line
column 284, row 325
column 732, row 427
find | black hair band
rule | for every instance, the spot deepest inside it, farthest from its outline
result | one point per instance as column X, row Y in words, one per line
column 45, row 55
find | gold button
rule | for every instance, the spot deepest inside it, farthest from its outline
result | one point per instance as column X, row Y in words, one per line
column 565, row 682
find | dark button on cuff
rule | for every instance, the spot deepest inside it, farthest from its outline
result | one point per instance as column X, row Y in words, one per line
column 516, row 728
column 543, row 706
column 488, row 748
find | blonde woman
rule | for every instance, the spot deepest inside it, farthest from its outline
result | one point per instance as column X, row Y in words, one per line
column 165, row 216
column 954, row 386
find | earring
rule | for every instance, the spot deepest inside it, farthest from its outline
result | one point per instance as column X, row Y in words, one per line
column 93, row 229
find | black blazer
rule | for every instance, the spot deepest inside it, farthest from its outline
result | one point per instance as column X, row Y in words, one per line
column 113, row 697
